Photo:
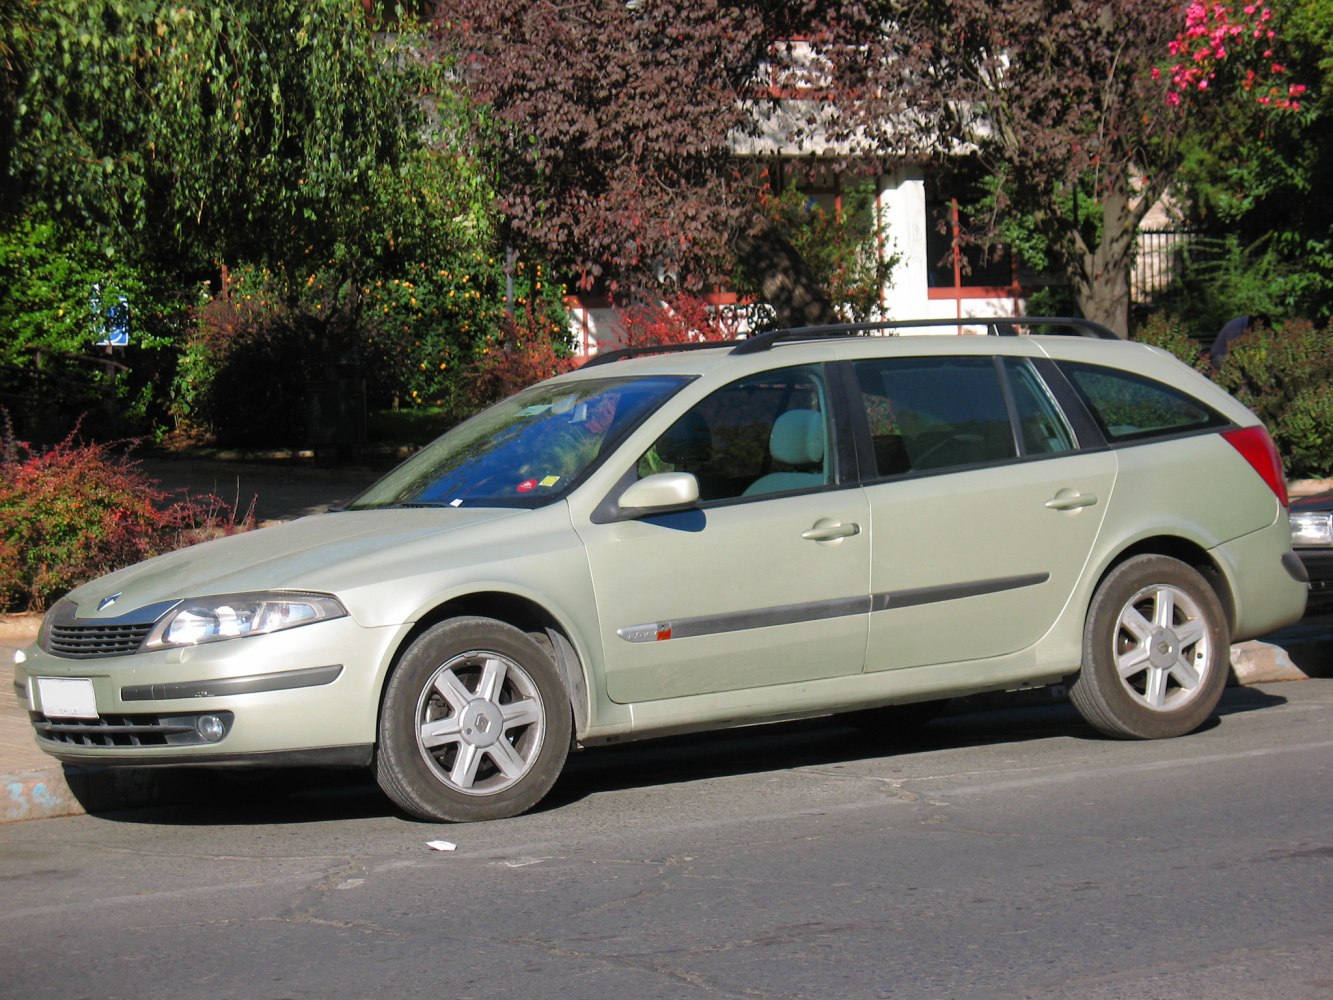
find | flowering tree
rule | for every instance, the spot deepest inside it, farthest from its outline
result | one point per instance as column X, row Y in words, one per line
column 1214, row 33
column 1079, row 109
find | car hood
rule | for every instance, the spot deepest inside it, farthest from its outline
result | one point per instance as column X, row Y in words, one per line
column 299, row 555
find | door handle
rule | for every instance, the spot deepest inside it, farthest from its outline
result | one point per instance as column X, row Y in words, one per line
column 828, row 531
column 1071, row 500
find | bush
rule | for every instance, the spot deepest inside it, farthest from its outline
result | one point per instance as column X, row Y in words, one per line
column 269, row 350
column 76, row 511
column 680, row 320
column 531, row 350
column 1169, row 332
column 1284, row 376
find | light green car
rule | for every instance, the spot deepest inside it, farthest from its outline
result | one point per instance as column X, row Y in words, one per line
column 799, row 524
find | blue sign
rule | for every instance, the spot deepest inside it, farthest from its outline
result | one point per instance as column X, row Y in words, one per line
column 113, row 326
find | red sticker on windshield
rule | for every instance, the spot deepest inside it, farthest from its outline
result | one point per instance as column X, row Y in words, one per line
column 527, row 485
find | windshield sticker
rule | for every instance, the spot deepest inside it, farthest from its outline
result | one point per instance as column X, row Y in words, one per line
column 527, row 486
column 550, row 481
column 456, row 502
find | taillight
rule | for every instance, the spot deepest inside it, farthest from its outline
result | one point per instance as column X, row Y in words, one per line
column 1258, row 449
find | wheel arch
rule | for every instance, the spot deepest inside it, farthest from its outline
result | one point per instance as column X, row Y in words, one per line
column 1182, row 549
column 524, row 614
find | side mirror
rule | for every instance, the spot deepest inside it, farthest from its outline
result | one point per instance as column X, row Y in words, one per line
column 659, row 494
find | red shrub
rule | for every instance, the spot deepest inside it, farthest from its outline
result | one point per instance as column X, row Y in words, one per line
column 679, row 320
column 77, row 511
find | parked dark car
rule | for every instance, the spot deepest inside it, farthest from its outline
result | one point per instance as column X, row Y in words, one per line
column 1312, row 540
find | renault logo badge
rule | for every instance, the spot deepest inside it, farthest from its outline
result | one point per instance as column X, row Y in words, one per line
column 108, row 601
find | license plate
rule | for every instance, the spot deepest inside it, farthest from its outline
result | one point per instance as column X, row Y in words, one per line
column 67, row 697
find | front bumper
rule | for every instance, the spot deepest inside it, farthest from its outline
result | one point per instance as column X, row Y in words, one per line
column 309, row 693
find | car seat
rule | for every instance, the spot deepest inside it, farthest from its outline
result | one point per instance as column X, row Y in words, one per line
column 797, row 439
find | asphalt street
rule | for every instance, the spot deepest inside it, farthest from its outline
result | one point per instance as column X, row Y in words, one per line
column 1000, row 855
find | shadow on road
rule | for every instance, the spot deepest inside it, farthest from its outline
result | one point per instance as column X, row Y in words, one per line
column 218, row 797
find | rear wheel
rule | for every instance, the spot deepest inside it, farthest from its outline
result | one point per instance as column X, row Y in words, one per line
column 1156, row 651
column 475, row 723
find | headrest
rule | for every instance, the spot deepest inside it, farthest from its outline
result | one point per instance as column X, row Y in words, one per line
column 798, row 438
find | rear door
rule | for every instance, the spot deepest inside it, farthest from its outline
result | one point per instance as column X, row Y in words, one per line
column 983, row 510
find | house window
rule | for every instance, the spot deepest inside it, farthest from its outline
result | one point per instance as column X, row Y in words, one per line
column 960, row 253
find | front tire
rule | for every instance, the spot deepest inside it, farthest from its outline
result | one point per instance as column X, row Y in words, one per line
column 1156, row 651
column 475, row 723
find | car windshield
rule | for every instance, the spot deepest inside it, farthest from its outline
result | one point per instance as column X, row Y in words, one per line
column 526, row 451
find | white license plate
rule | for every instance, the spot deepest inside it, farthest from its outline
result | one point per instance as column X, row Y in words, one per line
column 67, row 697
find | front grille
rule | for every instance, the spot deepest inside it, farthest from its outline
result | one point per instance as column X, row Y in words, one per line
column 124, row 730
column 86, row 642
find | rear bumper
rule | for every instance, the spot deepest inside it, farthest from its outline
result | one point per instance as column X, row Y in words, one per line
column 1267, row 589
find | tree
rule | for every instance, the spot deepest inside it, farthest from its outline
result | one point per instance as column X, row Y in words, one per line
column 304, row 146
column 618, row 122
column 195, row 133
column 1079, row 109
column 614, row 126
column 1257, row 189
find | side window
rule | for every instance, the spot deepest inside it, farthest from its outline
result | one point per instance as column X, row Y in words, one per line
column 1041, row 425
column 935, row 413
column 762, row 434
column 1130, row 407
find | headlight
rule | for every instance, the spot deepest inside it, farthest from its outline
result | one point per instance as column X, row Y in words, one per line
column 230, row 616
column 1311, row 527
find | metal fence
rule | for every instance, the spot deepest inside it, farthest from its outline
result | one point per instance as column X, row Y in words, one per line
column 1159, row 265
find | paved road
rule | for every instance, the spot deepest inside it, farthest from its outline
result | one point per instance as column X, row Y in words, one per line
column 1004, row 855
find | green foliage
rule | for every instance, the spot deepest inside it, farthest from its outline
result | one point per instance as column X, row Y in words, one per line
column 1285, row 375
column 1171, row 333
column 269, row 348
column 77, row 511
column 48, row 274
column 1255, row 183
column 57, row 286
column 1222, row 277
column 196, row 132
column 841, row 248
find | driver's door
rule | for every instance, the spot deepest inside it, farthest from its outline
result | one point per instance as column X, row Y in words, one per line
column 767, row 581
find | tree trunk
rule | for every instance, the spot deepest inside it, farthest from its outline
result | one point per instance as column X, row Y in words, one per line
column 785, row 282
column 1101, row 290
column 1100, row 275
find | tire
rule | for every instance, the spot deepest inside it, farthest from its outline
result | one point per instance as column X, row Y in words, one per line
column 1156, row 651
column 474, row 725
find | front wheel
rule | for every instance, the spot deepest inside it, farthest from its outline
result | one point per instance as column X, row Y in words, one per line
column 474, row 725
column 1156, row 651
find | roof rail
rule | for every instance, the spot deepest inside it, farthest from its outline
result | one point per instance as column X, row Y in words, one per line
column 996, row 326
column 631, row 352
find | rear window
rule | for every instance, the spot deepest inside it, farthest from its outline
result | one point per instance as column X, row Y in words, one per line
column 1130, row 407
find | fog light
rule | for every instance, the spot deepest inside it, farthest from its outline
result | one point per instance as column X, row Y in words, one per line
column 210, row 728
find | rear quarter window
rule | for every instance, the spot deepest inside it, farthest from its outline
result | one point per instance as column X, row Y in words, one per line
column 1130, row 407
